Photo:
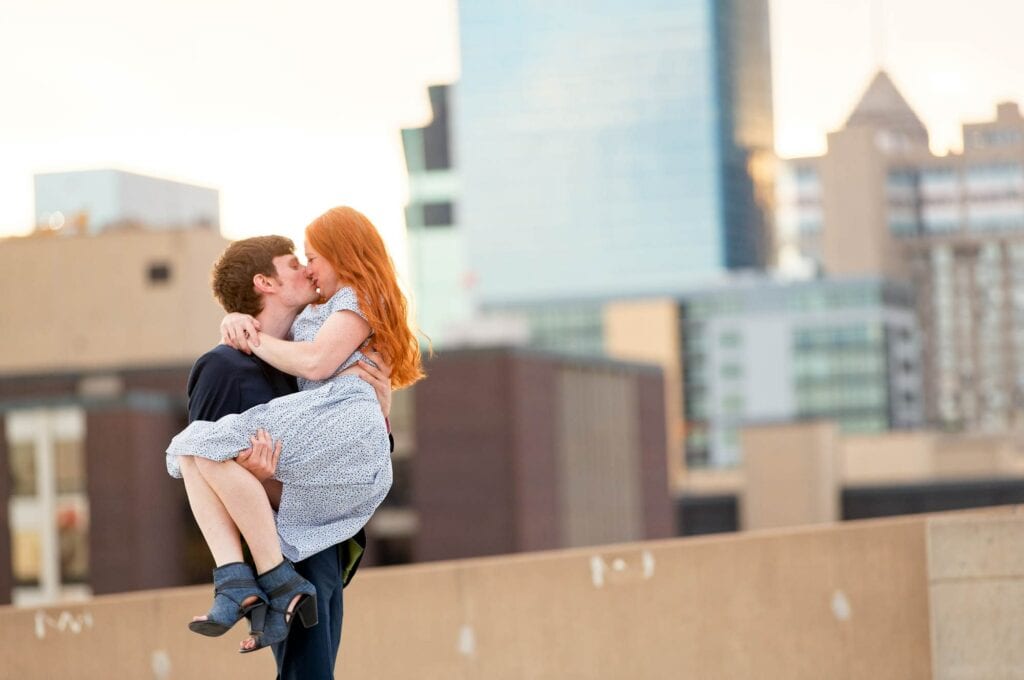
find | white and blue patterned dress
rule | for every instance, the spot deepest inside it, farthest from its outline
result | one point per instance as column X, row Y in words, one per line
column 335, row 464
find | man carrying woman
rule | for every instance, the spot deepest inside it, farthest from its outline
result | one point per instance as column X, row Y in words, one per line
column 334, row 466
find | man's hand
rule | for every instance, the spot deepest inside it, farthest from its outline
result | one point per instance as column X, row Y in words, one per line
column 240, row 331
column 261, row 458
column 379, row 378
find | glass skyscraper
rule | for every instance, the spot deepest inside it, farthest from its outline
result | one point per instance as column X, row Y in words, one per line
column 612, row 148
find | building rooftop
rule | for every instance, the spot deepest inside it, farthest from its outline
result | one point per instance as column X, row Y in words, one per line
column 883, row 106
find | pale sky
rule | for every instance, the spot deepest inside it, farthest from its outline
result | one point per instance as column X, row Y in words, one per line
column 290, row 108
column 952, row 60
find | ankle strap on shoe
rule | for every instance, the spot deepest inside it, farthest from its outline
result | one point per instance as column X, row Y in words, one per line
column 237, row 583
column 289, row 585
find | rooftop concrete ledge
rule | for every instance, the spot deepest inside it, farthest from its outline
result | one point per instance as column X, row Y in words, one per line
column 976, row 591
column 891, row 598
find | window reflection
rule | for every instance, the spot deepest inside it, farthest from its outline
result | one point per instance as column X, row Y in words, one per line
column 22, row 461
column 26, row 556
column 73, row 539
column 70, row 466
column 49, row 509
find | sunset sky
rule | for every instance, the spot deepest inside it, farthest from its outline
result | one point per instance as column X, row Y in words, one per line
column 288, row 109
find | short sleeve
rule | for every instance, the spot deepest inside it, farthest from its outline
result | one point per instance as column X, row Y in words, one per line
column 345, row 300
column 213, row 389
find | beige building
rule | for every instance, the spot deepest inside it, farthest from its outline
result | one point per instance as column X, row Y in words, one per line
column 879, row 202
column 800, row 473
column 796, row 473
column 126, row 298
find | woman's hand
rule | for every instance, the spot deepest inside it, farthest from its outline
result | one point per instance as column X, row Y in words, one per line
column 261, row 458
column 379, row 378
column 240, row 331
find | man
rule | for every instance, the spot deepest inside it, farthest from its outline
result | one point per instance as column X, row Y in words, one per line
column 262, row 277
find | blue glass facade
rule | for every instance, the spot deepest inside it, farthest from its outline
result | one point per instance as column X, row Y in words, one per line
column 611, row 148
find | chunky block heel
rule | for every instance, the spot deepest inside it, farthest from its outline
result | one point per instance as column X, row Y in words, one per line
column 306, row 610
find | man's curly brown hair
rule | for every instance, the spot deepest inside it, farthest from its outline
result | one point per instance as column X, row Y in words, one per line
column 235, row 268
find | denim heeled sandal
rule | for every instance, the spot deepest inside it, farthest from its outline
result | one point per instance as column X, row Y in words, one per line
column 281, row 585
column 233, row 583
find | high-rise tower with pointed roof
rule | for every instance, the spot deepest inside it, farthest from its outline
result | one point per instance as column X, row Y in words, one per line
column 883, row 107
column 881, row 129
column 879, row 202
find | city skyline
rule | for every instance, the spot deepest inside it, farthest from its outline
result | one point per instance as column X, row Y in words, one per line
column 243, row 101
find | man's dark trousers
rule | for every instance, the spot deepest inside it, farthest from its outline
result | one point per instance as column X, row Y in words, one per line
column 306, row 648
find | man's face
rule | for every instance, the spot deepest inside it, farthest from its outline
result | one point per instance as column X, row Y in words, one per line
column 296, row 288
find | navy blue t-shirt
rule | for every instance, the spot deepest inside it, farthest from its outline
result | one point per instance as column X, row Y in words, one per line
column 225, row 381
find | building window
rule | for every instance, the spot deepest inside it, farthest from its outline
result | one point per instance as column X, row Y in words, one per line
column 49, row 509
column 732, row 405
column 438, row 214
column 22, row 459
column 159, row 273
column 731, row 371
column 436, row 154
column 730, row 338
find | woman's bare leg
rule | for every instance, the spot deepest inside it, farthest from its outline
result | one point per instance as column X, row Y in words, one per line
column 245, row 501
column 213, row 519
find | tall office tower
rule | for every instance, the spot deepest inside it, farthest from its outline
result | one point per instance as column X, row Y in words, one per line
column 879, row 202
column 437, row 249
column 90, row 201
column 612, row 148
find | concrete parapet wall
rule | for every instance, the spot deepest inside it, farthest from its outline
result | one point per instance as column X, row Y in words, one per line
column 976, row 584
column 831, row 601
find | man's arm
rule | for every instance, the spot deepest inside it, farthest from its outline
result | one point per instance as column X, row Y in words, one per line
column 378, row 376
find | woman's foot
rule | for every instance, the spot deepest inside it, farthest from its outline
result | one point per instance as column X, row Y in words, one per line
column 289, row 596
column 249, row 643
column 236, row 594
column 246, row 603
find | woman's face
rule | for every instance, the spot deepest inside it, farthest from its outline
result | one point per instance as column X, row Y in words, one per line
column 320, row 272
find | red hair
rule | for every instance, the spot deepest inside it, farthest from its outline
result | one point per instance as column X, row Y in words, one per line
column 351, row 244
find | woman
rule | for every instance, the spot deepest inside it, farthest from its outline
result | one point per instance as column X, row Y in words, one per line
column 336, row 468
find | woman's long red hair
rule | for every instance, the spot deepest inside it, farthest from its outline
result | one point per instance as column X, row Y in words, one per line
column 350, row 243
